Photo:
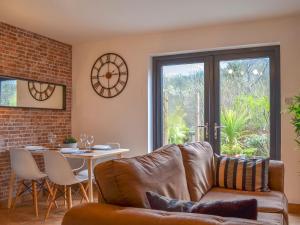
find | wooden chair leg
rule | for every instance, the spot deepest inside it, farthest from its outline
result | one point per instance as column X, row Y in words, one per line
column 19, row 190
column 51, row 202
column 69, row 197
column 83, row 192
column 65, row 196
column 50, row 192
column 86, row 189
column 35, row 198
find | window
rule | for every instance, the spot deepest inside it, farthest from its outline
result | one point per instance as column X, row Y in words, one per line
column 230, row 98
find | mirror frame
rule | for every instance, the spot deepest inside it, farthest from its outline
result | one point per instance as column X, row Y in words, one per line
column 64, row 95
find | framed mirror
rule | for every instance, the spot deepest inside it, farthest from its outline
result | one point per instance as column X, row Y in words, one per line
column 23, row 93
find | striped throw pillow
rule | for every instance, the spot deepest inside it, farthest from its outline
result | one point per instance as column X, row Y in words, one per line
column 242, row 174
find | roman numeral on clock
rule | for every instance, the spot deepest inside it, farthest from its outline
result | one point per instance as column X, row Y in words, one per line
column 96, row 85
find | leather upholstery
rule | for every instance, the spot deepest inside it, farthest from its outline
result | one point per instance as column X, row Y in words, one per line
column 103, row 214
column 269, row 202
column 124, row 182
column 276, row 175
column 185, row 174
column 198, row 163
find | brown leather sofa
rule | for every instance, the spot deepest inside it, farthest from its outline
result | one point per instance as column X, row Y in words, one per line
column 183, row 172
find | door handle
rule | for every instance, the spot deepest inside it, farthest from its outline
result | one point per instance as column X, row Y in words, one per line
column 205, row 130
column 216, row 128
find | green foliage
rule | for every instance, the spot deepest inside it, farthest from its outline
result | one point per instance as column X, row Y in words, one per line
column 258, row 142
column 70, row 140
column 177, row 128
column 246, row 128
column 234, row 130
column 294, row 109
column 258, row 109
column 244, row 98
column 8, row 92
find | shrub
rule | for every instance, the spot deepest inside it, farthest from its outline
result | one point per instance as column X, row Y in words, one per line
column 176, row 127
column 234, row 130
column 294, row 109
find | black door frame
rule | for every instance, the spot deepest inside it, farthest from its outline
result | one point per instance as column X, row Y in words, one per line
column 211, row 66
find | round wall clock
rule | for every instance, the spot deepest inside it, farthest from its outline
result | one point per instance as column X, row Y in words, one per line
column 40, row 91
column 109, row 75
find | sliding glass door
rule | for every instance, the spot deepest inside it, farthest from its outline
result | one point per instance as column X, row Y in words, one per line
column 229, row 98
column 183, row 105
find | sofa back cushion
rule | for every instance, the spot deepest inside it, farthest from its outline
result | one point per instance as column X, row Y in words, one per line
column 125, row 182
column 198, row 163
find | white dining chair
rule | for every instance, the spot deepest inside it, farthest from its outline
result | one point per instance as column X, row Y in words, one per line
column 61, row 174
column 26, row 169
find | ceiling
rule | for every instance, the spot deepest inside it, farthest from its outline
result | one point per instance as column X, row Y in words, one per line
column 76, row 21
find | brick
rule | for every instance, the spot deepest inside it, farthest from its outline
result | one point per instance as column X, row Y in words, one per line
column 28, row 55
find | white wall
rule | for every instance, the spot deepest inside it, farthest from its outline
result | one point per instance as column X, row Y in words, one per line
column 125, row 118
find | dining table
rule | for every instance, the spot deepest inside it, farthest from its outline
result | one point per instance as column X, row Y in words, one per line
column 88, row 155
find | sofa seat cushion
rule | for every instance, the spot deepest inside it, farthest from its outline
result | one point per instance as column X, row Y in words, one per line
column 125, row 181
column 274, row 218
column 102, row 214
column 269, row 202
column 198, row 163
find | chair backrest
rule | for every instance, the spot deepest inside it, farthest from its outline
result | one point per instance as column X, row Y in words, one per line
column 58, row 169
column 24, row 165
column 76, row 163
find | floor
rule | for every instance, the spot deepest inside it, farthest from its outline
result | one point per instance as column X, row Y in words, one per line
column 24, row 215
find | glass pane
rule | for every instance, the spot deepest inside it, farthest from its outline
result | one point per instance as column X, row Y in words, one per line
column 8, row 92
column 183, row 103
column 245, row 107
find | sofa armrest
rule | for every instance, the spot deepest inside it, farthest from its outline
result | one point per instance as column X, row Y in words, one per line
column 104, row 214
column 276, row 175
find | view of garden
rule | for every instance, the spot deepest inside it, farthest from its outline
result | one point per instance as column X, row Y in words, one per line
column 8, row 95
column 244, row 105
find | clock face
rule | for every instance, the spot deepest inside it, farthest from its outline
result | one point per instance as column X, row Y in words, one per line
column 40, row 91
column 109, row 75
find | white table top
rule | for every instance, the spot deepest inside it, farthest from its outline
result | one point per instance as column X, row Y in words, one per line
column 92, row 154
column 96, row 154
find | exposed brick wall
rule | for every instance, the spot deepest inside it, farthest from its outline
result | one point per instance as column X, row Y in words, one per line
column 29, row 55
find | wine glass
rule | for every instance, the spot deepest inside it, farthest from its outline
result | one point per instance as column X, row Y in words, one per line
column 90, row 141
column 83, row 139
column 52, row 139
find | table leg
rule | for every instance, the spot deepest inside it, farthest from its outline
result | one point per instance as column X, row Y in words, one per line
column 90, row 181
column 11, row 188
column 119, row 156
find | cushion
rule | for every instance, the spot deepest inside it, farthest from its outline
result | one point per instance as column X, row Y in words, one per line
column 124, row 181
column 274, row 218
column 246, row 209
column 198, row 164
column 268, row 202
column 242, row 174
column 104, row 214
